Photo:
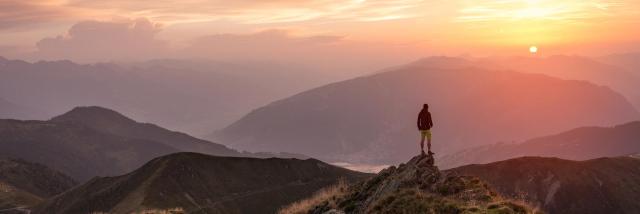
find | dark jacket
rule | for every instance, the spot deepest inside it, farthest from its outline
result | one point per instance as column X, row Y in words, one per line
column 424, row 120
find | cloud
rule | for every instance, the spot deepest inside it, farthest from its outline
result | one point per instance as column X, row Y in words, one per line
column 257, row 11
column 268, row 45
column 99, row 41
column 328, row 53
column 136, row 40
column 273, row 43
column 21, row 14
column 567, row 11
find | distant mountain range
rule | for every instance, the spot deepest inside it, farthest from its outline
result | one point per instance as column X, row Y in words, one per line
column 603, row 185
column 94, row 141
column 371, row 119
column 24, row 184
column 112, row 122
column 197, row 183
column 10, row 110
column 614, row 73
column 622, row 80
column 629, row 61
column 192, row 96
column 577, row 144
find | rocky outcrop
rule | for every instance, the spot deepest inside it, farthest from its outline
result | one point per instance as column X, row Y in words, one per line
column 420, row 187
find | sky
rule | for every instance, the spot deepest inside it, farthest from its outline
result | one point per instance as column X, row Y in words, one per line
column 371, row 32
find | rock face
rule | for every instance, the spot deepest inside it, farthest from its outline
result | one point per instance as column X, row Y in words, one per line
column 197, row 183
column 603, row 185
column 25, row 184
column 419, row 187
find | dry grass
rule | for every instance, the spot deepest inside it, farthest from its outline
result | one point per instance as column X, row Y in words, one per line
column 516, row 205
column 177, row 210
column 327, row 194
column 520, row 200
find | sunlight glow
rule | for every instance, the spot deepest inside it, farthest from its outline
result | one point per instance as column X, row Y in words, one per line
column 533, row 9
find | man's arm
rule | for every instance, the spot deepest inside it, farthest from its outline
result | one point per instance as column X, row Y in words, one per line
column 419, row 116
column 430, row 121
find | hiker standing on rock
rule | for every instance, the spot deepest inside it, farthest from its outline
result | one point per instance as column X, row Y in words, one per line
column 424, row 125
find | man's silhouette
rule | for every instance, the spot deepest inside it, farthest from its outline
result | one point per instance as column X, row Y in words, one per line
column 424, row 125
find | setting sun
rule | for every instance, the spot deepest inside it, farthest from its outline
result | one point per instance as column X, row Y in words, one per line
column 345, row 106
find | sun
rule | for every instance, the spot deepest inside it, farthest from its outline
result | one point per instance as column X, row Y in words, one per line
column 533, row 49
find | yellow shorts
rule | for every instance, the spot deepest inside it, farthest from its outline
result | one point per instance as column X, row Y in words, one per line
column 426, row 133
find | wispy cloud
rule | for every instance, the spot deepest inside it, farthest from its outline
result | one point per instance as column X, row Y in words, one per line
column 20, row 13
column 565, row 11
column 96, row 41
column 255, row 11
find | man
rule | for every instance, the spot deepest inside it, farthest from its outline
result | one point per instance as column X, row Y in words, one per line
column 424, row 125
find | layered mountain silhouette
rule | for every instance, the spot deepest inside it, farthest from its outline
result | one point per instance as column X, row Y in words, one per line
column 24, row 184
column 9, row 110
column 112, row 122
column 78, row 151
column 576, row 68
column 94, row 141
column 603, row 185
column 577, row 144
column 186, row 95
column 413, row 187
column 630, row 61
column 372, row 119
column 197, row 183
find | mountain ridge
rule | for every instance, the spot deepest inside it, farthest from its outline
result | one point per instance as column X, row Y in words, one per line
column 192, row 96
column 358, row 120
column 602, row 185
column 193, row 182
column 24, row 184
column 110, row 121
column 576, row 144
column 95, row 141
column 416, row 186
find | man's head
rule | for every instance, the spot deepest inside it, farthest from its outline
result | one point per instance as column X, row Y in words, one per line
column 425, row 106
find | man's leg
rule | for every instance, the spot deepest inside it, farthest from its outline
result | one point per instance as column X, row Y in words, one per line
column 422, row 142
column 429, row 141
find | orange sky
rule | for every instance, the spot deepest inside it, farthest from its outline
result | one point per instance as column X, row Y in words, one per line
column 453, row 27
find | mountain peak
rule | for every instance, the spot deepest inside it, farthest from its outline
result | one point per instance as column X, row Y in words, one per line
column 92, row 113
column 199, row 183
column 565, row 186
column 418, row 185
column 112, row 122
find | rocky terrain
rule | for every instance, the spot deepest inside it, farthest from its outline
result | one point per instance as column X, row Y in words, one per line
column 416, row 187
